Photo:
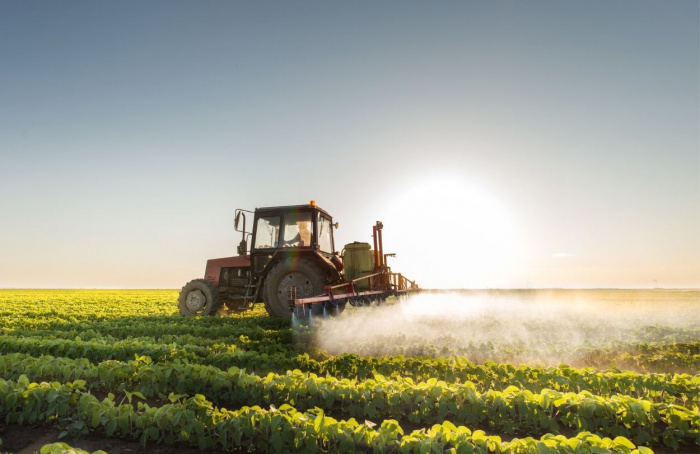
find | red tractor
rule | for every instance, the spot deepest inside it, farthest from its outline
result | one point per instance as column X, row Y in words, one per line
column 293, row 267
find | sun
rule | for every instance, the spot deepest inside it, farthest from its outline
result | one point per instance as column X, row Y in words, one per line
column 451, row 235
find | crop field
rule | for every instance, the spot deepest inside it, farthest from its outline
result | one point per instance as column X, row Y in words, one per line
column 502, row 371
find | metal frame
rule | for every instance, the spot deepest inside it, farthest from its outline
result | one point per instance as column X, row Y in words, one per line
column 382, row 283
column 385, row 284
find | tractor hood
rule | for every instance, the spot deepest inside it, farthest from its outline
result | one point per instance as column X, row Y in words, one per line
column 214, row 266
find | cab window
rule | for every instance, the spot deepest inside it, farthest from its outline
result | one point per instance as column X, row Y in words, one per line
column 325, row 234
column 267, row 232
column 297, row 230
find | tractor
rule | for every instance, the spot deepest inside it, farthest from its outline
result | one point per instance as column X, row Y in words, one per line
column 292, row 266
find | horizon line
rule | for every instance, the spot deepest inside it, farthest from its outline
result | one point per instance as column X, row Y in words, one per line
column 424, row 289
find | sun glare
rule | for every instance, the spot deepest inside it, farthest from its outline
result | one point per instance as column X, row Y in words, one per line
column 451, row 235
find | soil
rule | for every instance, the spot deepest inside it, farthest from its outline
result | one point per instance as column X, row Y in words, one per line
column 29, row 440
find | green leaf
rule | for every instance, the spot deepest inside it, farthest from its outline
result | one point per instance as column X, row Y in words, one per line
column 111, row 427
column 436, row 391
column 276, row 420
column 95, row 418
column 318, row 424
column 622, row 442
column 276, row 441
column 11, row 400
column 153, row 433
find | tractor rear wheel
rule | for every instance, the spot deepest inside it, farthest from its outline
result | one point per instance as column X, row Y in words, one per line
column 198, row 297
column 302, row 274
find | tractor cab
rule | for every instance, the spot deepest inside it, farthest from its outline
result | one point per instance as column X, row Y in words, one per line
column 285, row 229
column 299, row 229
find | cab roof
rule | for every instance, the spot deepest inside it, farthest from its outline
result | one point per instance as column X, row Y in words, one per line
column 287, row 208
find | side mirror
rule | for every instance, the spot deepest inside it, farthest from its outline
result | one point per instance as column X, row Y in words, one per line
column 336, row 225
column 238, row 218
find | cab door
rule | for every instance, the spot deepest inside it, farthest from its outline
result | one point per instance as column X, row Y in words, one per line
column 266, row 240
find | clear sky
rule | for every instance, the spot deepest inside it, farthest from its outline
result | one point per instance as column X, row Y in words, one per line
column 504, row 144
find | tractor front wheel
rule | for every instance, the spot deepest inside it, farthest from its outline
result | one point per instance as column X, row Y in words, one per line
column 198, row 297
column 302, row 274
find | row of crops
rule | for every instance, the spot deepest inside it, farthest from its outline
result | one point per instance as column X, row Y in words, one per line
column 123, row 365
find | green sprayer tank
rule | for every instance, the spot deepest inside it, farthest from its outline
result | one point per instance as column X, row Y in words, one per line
column 358, row 262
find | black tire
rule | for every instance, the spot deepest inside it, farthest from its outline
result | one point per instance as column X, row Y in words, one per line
column 302, row 274
column 198, row 297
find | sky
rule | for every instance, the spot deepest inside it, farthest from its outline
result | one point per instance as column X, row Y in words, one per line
column 503, row 144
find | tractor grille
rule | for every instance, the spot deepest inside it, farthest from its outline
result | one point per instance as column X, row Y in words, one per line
column 234, row 277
